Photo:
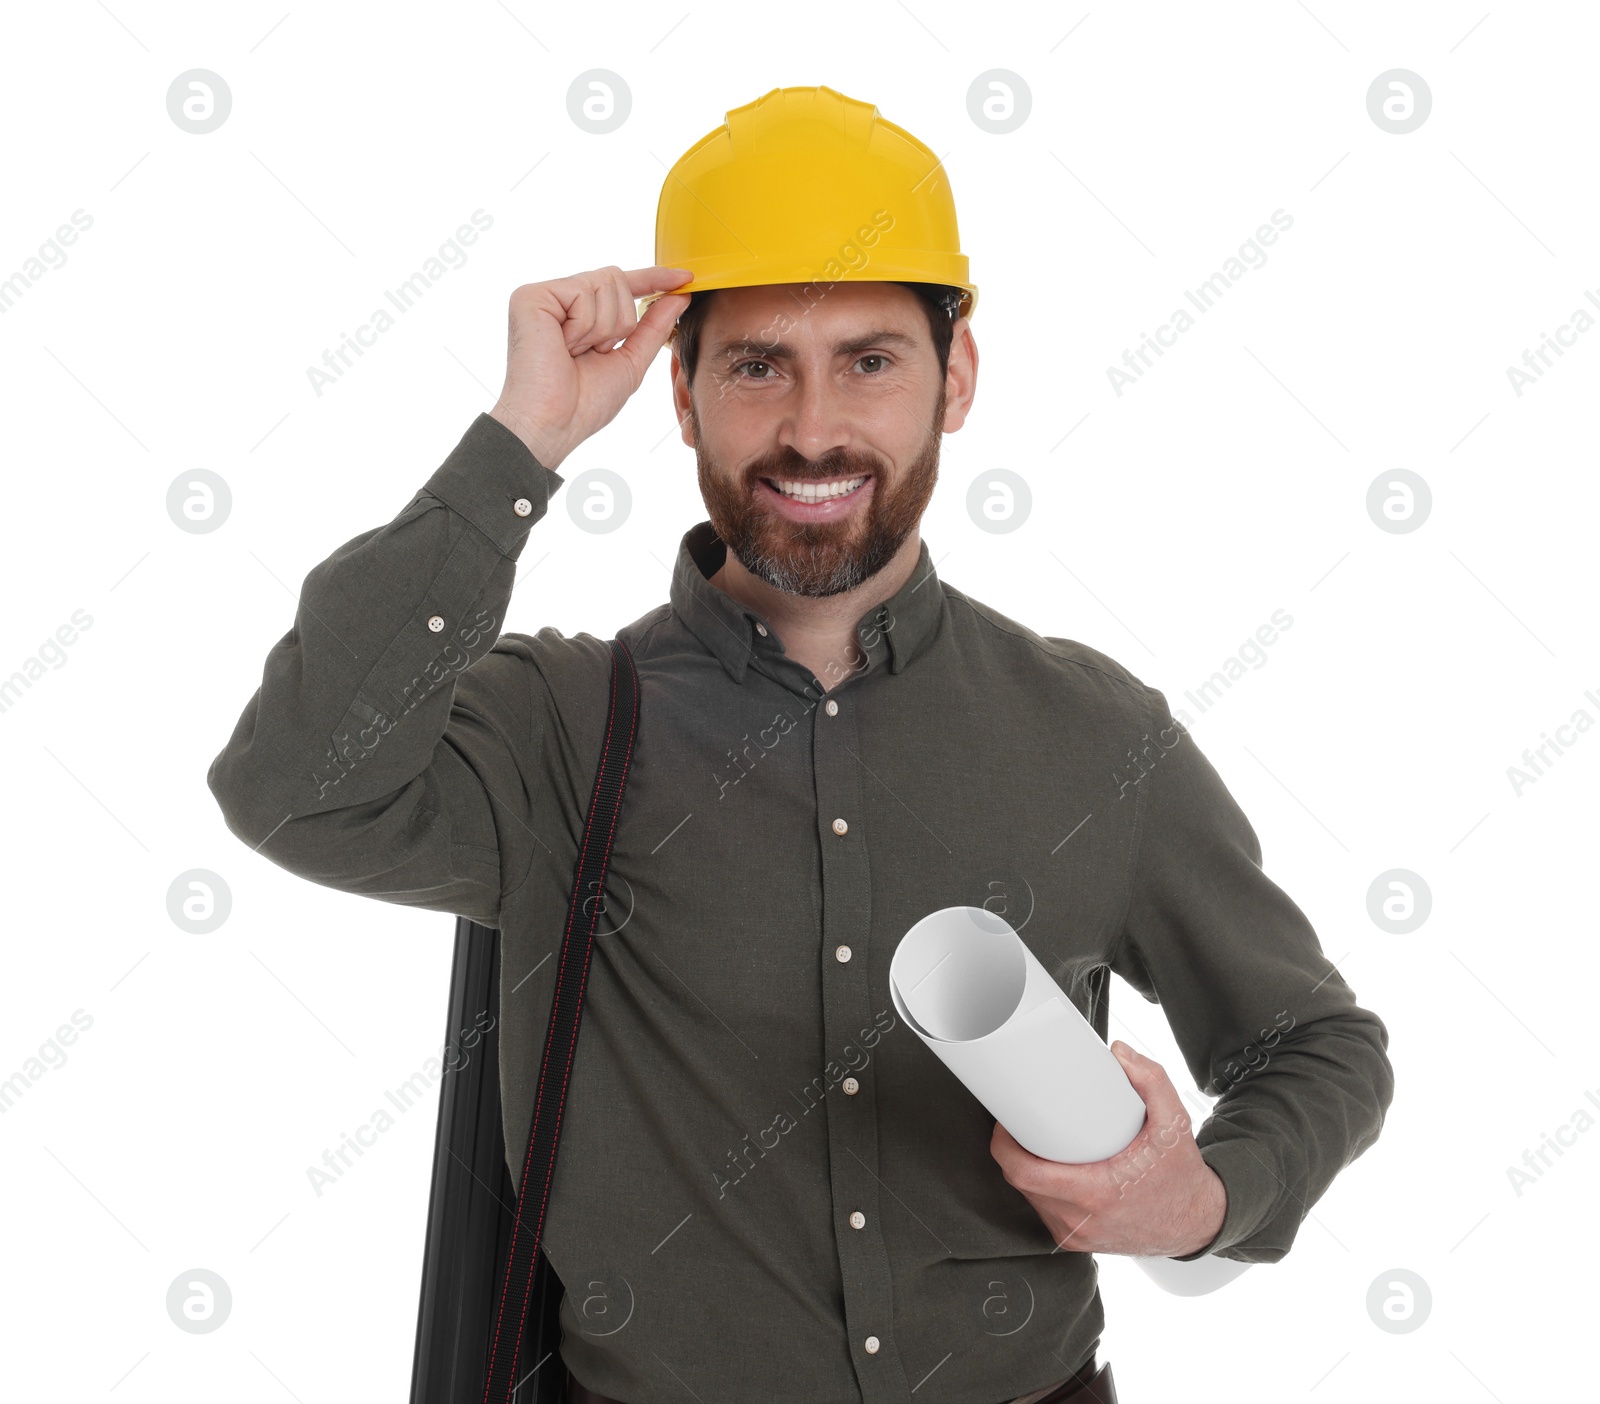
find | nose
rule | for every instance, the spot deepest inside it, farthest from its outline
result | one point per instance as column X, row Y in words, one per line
column 816, row 422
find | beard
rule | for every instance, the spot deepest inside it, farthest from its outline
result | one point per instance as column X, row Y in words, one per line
column 817, row 558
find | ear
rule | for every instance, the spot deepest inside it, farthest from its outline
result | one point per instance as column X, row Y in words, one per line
column 681, row 399
column 961, row 376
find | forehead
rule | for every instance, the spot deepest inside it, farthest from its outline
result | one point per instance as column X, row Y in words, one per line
column 799, row 314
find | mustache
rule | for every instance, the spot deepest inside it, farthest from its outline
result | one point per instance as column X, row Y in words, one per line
column 790, row 466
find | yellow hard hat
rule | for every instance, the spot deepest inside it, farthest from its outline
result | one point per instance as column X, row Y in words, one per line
column 806, row 185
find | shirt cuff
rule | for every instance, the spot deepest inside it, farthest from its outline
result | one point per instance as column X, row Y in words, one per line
column 1253, row 1190
column 493, row 480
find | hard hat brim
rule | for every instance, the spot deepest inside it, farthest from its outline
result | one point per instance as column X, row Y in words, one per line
column 809, row 290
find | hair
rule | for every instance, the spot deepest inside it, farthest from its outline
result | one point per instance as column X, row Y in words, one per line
column 941, row 303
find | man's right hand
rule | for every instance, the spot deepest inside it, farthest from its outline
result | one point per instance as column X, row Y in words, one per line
column 566, row 377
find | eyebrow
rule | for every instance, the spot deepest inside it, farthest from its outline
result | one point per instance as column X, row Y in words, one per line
column 779, row 351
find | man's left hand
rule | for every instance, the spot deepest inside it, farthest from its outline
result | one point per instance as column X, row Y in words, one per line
column 1155, row 1198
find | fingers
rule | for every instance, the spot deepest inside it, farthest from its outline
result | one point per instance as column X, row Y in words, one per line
column 604, row 335
column 615, row 310
column 1005, row 1148
column 1027, row 1172
column 1154, row 1087
column 599, row 304
column 655, row 279
column 651, row 333
column 1134, row 1063
column 578, row 312
column 1143, row 1073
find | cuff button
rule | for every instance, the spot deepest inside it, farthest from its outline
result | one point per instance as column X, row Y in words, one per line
column 522, row 507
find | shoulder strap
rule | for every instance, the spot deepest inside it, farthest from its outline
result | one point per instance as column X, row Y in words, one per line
column 561, row 1039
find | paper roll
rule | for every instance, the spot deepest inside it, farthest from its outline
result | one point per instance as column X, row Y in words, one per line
column 978, row 997
column 967, row 985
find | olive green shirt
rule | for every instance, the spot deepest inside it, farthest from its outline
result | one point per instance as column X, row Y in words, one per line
column 767, row 1186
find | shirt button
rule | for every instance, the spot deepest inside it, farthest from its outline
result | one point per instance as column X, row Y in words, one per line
column 841, row 954
column 436, row 623
column 858, row 1220
column 839, row 826
column 761, row 628
column 831, row 707
column 871, row 1344
column 522, row 507
column 851, row 1086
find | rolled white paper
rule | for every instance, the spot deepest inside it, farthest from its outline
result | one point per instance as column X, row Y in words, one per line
column 978, row 997
column 969, row 988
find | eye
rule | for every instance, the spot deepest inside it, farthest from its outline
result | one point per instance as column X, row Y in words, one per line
column 742, row 364
column 874, row 356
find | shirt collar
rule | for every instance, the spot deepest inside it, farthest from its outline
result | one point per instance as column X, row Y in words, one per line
column 891, row 633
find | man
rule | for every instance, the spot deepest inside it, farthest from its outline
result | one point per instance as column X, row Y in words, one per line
column 767, row 1189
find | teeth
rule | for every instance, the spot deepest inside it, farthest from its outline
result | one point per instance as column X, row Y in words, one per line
column 818, row 492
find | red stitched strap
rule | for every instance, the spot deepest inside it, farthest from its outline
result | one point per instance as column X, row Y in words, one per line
column 561, row 1038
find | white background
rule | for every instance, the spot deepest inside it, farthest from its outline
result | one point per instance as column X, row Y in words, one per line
column 1229, row 482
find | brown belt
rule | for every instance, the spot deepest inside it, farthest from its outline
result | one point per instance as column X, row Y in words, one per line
column 1090, row 1385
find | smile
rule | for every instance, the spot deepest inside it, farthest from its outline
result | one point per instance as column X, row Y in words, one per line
column 811, row 491
column 813, row 502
